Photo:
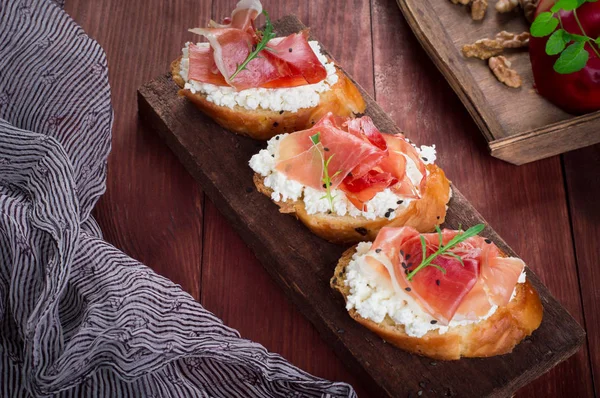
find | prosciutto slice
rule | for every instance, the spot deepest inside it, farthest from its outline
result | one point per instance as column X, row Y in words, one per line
column 466, row 290
column 363, row 161
column 346, row 151
column 286, row 62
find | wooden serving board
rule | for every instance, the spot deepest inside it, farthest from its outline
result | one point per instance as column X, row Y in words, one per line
column 302, row 263
column 519, row 125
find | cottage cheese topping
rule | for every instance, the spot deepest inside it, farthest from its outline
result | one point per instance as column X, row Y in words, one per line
column 283, row 189
column 375, row 301
column 275, row 99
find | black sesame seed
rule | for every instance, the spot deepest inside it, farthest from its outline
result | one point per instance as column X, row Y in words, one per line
column 272, row 156
column 407, row 257
column 275, row 124
column 409, row 265
column 290, row 49
column 425, row 159
column 349, row 174
column 437, row 282
column 406, row 271
column 362, row 231
column 281, row 112
column 402, row 253
column 387, row 215
column 488, row 241
column 377, row 250
column 433, row 322
column 404, row 265
column 390, row 210
column 324, row 185
column 399, row 202
column 438, row 217
column 277, row 138
column 326, row 149
column 408, row 289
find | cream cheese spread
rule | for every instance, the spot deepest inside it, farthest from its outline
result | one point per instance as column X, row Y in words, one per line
column 375, row 300
column 264, row 163
column 275, row 99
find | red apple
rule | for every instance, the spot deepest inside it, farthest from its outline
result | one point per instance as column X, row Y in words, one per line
column 577, row 92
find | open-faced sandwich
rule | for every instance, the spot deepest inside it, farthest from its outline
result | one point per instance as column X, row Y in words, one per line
column 345, row 180
column 444, row 295
column 259, row 85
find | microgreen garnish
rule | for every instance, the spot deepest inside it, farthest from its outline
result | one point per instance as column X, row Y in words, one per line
column 573, row 57
column 266, row 35
column 443, row 250
column 326, row 179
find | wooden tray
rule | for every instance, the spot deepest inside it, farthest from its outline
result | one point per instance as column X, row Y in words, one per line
column 519, row 125
column 302, row 263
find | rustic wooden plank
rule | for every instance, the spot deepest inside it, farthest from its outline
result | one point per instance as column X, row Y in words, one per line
column 513, row 199
column 152, row 209
column 290, row 253
column 581, row 169
column 519, row 125
column 231, row 272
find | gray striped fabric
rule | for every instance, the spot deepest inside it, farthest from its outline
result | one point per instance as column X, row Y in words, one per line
column 78, row 318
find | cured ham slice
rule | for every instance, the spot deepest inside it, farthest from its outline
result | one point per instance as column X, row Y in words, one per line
column 467, row 289
column 285, row 62
column 363, row 161
column 202, row 65
column 346, row 151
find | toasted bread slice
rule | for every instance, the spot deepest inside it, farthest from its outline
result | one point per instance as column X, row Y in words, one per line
column 343, row 99
column 496, row 335
column 422, row 214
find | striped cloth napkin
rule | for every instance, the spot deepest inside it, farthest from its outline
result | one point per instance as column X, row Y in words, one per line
column 78, row 318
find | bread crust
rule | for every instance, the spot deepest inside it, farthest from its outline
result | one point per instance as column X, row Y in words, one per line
column 497, row 335
column 422, row 214
column 343, row 99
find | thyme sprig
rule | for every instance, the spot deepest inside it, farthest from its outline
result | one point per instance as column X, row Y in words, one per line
column 325, row 178
column 266, row 35
column 444, row 249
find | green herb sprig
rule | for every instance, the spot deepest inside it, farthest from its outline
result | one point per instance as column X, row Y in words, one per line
column 443, row 250
column 266, row 35
column 326, row 179
column 573, row 57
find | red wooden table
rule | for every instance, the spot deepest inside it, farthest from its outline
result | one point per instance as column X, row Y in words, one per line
column 153, row 210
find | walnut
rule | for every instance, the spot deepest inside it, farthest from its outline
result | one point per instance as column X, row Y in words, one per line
column 506, row 5
column 513, row 40
column 500, row 66
column 478, row 9
column 529, row 7
column 482, row 49
column 486, row 48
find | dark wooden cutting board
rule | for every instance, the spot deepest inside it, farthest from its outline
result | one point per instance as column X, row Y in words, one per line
column 302, row 263
column 519, row 125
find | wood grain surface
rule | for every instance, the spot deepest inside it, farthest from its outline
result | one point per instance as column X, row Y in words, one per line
column 155, row 211
column 519, row 125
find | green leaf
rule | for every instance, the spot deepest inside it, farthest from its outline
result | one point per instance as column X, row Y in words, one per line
column 597, row 41
column 567, row 5
column 556, row 42
column 575, row 37
column 573, row 59
column 315, row 138
column 544, row 24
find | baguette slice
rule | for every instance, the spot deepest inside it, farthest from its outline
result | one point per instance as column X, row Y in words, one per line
column 496, row 335
column 422, row 214
column 343, row 99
